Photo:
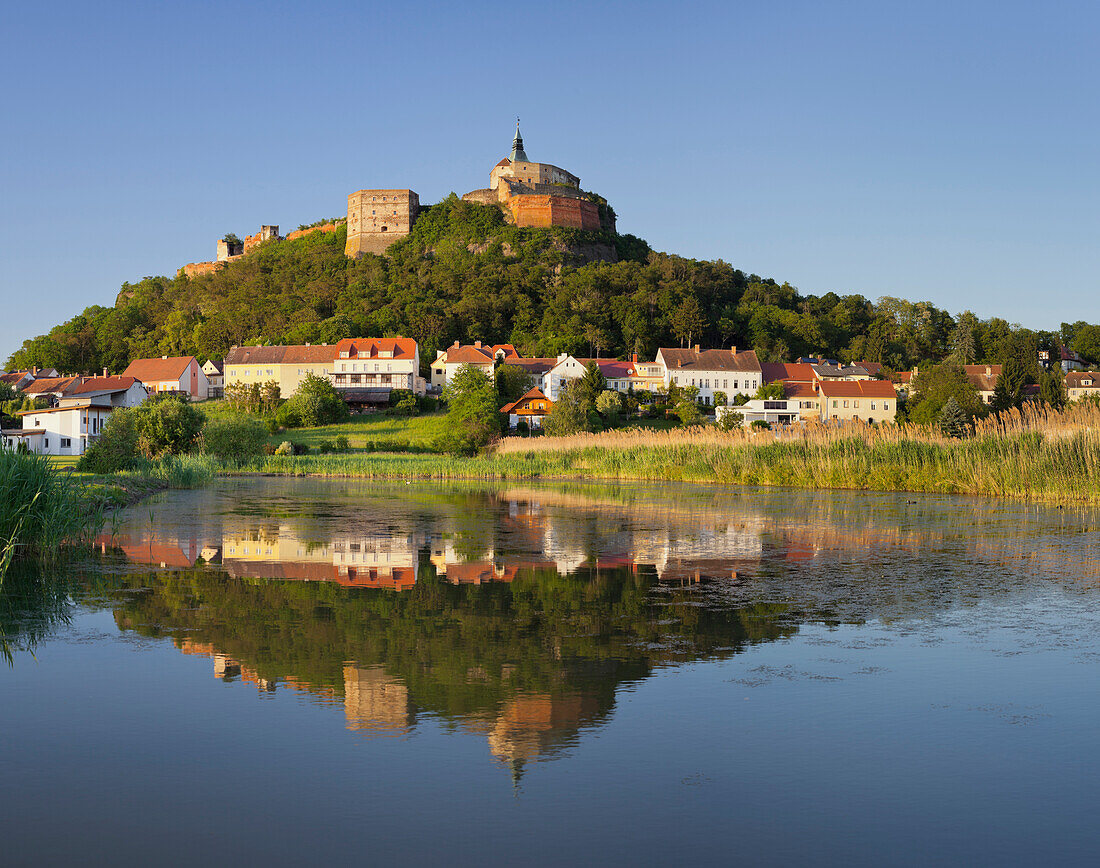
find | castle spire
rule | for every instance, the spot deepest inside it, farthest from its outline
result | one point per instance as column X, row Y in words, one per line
column 518, row 154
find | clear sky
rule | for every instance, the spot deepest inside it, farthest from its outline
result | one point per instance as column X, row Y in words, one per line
column 939, row 151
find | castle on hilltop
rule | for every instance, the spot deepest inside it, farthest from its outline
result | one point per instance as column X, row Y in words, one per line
column 537, row 195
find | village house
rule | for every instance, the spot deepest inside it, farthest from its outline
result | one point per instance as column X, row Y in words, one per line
column 178, row 374
column 119, row 391
column 287, row 366
column 868, row 400
column 712, row 371
column 1082, row 384
column 534, row 368
column 984, row 379
column 50, row 389
column 482, row 357
column 378, row 363
column 533, row 408
column 774, row 411
column 215, row 378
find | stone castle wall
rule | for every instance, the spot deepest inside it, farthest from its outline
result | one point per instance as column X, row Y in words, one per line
column 301, row 233
column 377, row 218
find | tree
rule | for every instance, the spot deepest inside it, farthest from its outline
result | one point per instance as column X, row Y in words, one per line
column 591, row 385
column 570, row 414
column 1009, row 391
column 770, row 391
column 610, row 406
column 687, row 408
column 234, row 439
column 1086, row 342
column 512, row 382
column 168, row 426
column 731, row 421
column 720, row 399
column 953, row 419
column 315, row 403
column 932, row 387
column 473, row 411
column 1052, row 387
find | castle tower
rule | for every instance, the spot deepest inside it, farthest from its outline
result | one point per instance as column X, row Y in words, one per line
column 377, row 218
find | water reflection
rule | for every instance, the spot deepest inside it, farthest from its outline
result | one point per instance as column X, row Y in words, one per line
column 520, row 613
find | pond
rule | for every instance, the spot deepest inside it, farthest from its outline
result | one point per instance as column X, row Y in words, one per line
column 287, row 671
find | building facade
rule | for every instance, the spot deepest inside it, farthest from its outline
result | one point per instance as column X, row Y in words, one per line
column 181, row 374
column 711, row 371
column 288, row 366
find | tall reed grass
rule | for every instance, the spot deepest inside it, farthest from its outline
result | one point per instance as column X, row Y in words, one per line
column 41, row 509
column 1034, row 453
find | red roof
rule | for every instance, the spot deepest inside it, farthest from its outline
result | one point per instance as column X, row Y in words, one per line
column 709, row 360
column 872, row 368
column 795, row 389
column 611, row 367
column 983, row 377
column 1075, row 379
column 857, row 389
column 469, row 355
column 280, row 355
column 372, row 348
column 158, row 370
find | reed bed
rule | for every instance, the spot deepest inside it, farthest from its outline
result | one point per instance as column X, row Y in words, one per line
column 1034, row 453
column 41, row 509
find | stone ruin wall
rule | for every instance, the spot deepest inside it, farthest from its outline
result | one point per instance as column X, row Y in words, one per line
column 542, row 212
column 378, row 218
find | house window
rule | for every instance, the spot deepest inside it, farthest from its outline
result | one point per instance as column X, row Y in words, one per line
column 885, row 405
column 855, row 403
column 834, row 404
column 873, row 405
column 845, row 403
column 66, row 443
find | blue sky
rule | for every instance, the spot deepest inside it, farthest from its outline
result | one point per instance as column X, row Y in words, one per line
column 939, row 151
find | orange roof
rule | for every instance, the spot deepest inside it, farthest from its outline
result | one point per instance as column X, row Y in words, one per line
column 1075, row 379
column 902, row 377
column 158, row 370
column 504, row 162
column 795, row 389
column 857, row 389
column 709, row 360
column 469, row 355
column 983, row 377
column 611, row 367
column 47, row 385
column 872, row 368
column 799, row 372
column 533, row 395
column 372, row 348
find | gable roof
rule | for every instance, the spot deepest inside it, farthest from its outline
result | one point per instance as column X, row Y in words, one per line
column 532, row 366
column 532, row 395
column 800, row 372
column 824, row 370
column 983, row 377
column 102, row 384
column 709, row 360
column 219, row 367
column 872, row 368
column 857, row 389
column 49, row 385
column 158, row 370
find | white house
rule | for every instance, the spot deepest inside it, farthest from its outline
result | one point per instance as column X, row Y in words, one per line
column 181, row 374
column 478, row 355
column 215, row 377
column 378, row 363
column 773, row 411
column 119, row 391
column 64, row 430
column 712, row 371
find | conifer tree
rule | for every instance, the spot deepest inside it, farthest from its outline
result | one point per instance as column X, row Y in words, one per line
column 953, row 419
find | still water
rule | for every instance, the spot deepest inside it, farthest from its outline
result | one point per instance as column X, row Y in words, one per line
column 285, row 672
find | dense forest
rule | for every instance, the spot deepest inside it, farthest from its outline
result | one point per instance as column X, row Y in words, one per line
column 464, row 274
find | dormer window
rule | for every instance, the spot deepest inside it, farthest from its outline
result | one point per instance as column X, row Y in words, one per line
column 1086, row 382
column 344, row 354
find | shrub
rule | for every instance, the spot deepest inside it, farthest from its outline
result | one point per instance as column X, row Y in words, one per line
column 522, row 427
column 731, row 421
column 760, row 425
column 287, row 416
column 169, row 426
column 325, row 447
column 316, row 403
column 116, row 447
column 285, row 448
column 342, row 443
column 234, row 439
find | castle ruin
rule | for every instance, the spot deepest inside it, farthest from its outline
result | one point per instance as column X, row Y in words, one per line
column 531, row 194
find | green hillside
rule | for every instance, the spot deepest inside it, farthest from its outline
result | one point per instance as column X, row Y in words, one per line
column 464, row 274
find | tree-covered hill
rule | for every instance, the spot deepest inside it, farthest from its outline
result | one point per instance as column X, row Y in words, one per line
column 464, row 274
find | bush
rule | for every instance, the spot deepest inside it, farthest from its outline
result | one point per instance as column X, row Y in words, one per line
column 731, row 421
column 325, row 447
column 234, row 439
column 287, row 416
column 167, row 427
column 403, row 403
column 116, row 447
column 285, row 448
column 760, row 425
column 342, row 443
column 316, row 403
column 522, row 427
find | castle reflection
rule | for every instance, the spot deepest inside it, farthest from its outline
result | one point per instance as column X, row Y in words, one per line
column 519, row 613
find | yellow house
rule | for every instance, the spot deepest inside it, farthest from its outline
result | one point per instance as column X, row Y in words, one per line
column 287, row 366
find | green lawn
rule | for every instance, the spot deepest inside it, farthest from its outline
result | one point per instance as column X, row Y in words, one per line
column 374, row 428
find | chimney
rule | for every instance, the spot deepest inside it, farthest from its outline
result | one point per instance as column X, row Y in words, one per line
column 307, row 343
column 696, row 349
column 164, row 357
column 733, row 349
column 988, row 371
column 477, row 344
column 34, row 370
column 634, row 358
column 104, row 371
column 455, row 345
